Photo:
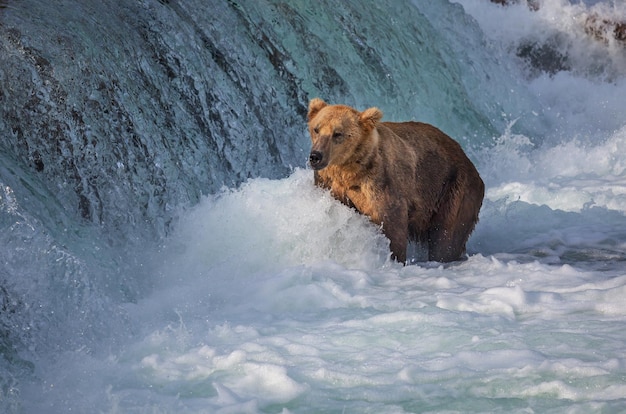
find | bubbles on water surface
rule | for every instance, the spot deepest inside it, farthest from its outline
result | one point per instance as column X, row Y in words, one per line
column 272, row 297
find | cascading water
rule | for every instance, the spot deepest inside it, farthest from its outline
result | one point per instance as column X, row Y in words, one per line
column 114, row 115
column 145, row 266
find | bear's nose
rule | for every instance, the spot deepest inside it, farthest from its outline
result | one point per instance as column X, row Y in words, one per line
column 315, row 159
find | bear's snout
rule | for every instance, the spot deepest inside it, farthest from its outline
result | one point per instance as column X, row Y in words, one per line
column 316, row 160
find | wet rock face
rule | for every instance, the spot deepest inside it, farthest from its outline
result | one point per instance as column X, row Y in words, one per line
column 599, row 27
column 606, row 29
column 532, row 4
column 554, row 53
column 545, row 57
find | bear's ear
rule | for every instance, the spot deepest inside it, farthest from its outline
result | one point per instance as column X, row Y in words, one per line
column 315, row 106
column 371, row 116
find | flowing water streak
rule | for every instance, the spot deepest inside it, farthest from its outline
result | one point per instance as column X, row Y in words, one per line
column 116, row 118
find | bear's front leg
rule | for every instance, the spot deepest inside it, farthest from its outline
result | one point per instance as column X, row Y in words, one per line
column 395, row 225
column 398, row 246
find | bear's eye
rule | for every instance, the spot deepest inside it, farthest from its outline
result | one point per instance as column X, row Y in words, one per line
column 316, row 130
column 337, row 135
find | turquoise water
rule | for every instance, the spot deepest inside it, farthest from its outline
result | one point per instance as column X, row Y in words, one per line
column 165, row 250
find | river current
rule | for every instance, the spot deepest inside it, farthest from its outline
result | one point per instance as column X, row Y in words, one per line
column 163, row 248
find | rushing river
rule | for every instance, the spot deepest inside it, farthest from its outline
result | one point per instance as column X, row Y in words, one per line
column 163, row 248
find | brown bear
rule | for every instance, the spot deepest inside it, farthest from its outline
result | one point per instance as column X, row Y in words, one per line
column 408, row 177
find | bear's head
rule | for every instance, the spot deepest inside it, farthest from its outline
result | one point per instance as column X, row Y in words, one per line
column 339, row 133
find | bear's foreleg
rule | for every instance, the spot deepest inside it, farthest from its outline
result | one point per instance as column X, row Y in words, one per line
column 396, row 228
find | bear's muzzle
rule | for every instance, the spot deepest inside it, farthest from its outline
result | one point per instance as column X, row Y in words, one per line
column 316, row 160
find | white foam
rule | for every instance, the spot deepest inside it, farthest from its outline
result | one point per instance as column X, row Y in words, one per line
column 273, row 297
column 569, row 176
column 278, row 223
column 324, row 335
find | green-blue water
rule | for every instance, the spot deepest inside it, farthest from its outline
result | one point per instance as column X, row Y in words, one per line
column 163, row 248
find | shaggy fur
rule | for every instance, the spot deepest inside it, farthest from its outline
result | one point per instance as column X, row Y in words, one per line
column 408, row 177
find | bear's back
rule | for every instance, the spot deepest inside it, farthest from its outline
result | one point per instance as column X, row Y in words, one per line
column 411, row 130
column 434, row 150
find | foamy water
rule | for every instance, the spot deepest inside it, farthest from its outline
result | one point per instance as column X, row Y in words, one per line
column 275, row 298
column 272, row 297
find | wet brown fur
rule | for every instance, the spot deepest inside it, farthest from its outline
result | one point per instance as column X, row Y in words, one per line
column 408, row 177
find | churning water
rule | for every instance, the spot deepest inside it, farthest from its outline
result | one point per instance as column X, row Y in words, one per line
column 164, row 249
